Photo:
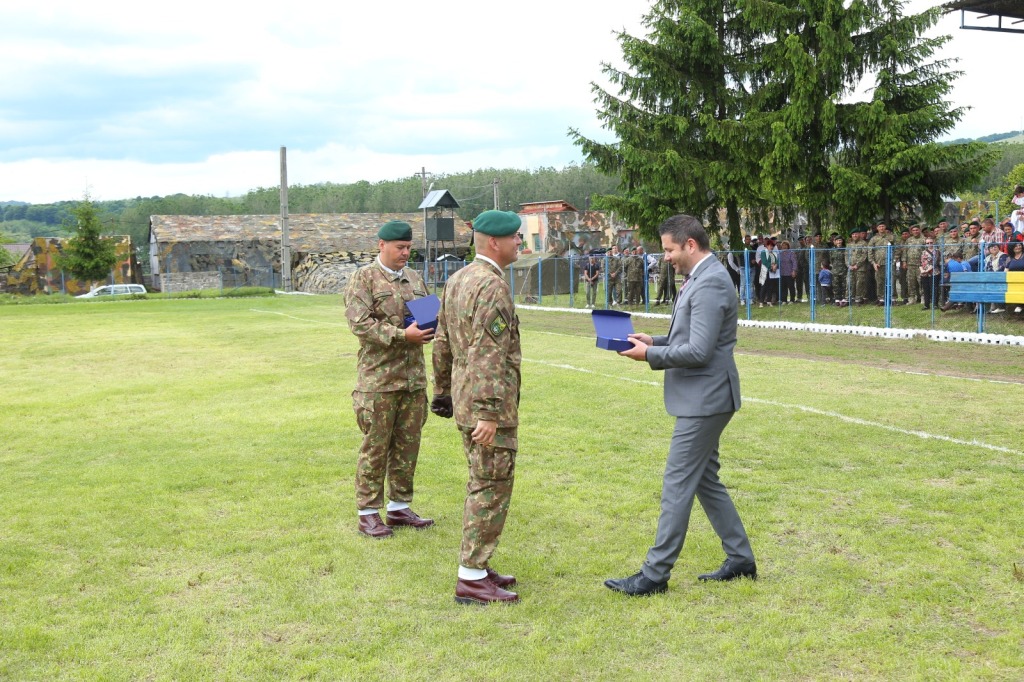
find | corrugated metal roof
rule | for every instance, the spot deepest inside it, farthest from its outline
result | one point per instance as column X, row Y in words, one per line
column 439, row 198
column 307, row 232
column 1009, row 14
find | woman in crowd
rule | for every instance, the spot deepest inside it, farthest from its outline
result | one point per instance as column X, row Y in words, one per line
column 788, row 268
column 770, row 275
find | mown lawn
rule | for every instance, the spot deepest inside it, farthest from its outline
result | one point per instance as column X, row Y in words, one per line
column 176, row 502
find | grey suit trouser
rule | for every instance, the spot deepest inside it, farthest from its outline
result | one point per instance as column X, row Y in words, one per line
column 692, row 471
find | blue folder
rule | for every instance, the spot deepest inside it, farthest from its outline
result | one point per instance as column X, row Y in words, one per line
column 613, row 328
column 424, row 311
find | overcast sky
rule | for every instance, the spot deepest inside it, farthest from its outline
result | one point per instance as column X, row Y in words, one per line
column 126, row 99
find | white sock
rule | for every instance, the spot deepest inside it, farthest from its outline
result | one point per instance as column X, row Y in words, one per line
column 471, row 573
column 367, row 512
column 396, row 506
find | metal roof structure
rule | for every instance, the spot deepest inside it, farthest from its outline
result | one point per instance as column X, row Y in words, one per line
column 439, row 198
column 1008, row 14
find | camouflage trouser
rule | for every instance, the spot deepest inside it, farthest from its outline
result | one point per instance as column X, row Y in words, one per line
column 880, row 283
column 860, row 282
column 839, row 284
column 633, row 293
column 614, row 290
column 488, row 492
column 901, row 278
column 391, row 424
column 667, row 288
column 914, row 283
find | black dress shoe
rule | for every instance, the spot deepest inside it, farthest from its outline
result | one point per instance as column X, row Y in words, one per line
column 731, row 570
column 638, row 585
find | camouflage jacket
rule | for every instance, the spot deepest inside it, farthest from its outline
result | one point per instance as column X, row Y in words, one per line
column 857, row 254
column 635, row 268
column 913, row 248
column 614, row 266
column 477, row 355
column 878, row 249
column 375, row 307
column 968, row 248
column 837, row 258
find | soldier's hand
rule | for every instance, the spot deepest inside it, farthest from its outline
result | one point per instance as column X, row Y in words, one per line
column 484, row 432
column 413, row 334
column 441, row 405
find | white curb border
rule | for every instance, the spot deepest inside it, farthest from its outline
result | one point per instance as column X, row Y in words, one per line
column 930, row 334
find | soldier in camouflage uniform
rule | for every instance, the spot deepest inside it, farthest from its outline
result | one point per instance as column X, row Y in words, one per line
column 477, row 361
column 878, row 255
column 859, row 264
column 634, row 277
column 390, row 397
column 667, row 281
column 616, row 294
column 837, row 259
column 913, row 248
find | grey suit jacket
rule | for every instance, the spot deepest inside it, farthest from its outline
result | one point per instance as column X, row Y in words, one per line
column 700, row 373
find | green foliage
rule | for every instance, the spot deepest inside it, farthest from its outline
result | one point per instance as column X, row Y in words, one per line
column 679, row 149
column 6, row 258
column 183, row 510
column 88, row 255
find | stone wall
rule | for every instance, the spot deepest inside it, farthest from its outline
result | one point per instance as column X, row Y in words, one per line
column 328, row 273
column 177, row 282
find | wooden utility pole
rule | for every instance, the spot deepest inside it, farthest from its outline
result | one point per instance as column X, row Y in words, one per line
column 286, row 249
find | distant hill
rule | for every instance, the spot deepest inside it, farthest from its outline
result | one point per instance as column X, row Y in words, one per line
column 1012, row 137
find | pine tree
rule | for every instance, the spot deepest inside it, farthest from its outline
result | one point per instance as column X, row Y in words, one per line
column 681, row 145
column 890, row 164
column 88, row 256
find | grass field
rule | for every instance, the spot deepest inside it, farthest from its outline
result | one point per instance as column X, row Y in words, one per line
column 176, row 499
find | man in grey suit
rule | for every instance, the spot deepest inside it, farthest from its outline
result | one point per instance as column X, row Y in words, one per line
column 702, row 391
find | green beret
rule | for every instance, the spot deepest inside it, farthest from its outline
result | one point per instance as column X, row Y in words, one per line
column 497, row 223
column 395, row 230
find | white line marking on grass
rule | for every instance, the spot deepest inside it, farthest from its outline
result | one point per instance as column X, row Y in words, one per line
column 301, row 319
column 803, row 408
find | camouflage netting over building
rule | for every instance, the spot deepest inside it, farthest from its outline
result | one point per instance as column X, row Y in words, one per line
column 326, row 248
column 37, row 271
column 543, row 273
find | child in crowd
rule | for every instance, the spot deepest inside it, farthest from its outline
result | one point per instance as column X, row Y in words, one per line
column 825, row 282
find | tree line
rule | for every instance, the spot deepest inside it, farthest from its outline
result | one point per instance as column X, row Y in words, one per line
column 765, row 109
column 474, row 190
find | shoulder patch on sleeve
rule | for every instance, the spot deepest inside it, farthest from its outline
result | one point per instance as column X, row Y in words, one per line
column 497, row 326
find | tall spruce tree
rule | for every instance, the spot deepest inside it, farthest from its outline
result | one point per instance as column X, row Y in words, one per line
column 890, row 165
column 88, row 255
column 681, row 145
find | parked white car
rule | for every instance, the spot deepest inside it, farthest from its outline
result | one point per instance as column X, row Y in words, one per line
column 115, row 290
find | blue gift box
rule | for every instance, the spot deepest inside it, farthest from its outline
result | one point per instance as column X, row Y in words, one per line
column 424, row 311
column 613, row 328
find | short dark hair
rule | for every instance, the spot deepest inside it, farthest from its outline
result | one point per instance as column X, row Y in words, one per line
column 685, row 227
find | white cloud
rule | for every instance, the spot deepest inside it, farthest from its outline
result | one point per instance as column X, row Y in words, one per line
column 133, row 99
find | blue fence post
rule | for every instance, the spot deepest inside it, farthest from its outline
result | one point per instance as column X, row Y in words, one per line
column 540, row 281
column 606, row 301
column 746, row 280
column 572, row 281
column 889, row 285
column 645, row 293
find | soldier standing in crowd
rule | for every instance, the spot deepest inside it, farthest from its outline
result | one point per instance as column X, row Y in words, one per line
column 913, row 247
column 666, row 282
column 591, row 278
column 879, row 255
column 615, row 289
column 477, row 361
column 634, row 277
column 857, row 260
column 803, row 288
column 837, row 259
column 390, row 398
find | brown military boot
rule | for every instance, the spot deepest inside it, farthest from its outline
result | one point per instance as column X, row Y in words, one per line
column 407, row 517
column 482, row 592
column 372, row 526
column 500, row 580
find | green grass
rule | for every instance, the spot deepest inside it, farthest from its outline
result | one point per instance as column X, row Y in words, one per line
column 177, row 503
